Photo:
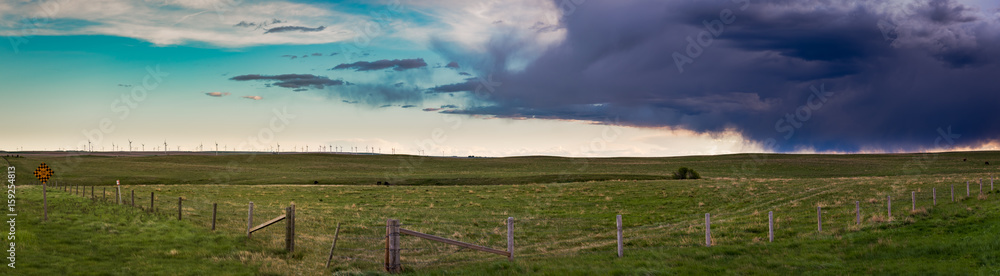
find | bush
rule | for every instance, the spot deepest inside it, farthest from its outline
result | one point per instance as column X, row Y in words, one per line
column 685, row 173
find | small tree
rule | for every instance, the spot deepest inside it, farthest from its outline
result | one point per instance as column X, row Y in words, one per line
column 685, row 173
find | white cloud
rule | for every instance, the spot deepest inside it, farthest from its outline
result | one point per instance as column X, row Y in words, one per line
column 529, row 26
column 171, row 22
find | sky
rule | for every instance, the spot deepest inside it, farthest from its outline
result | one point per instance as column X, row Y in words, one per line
column 501, row 78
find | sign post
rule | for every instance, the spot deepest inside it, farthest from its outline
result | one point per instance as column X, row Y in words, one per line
column 43, row 173
column 118, row 185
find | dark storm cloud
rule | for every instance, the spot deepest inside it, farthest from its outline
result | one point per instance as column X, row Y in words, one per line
column 947, row 11
column 283, row 29
column 467, row 86
column 453, row 65
column 395, row 64
column 295, row 81
column 826, row 75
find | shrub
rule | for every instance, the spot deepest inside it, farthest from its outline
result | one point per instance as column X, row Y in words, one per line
column 685, row 173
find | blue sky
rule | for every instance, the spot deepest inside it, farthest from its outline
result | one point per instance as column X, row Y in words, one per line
column 493, row 78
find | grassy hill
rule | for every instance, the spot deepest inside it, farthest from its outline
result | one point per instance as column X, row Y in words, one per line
column 563, row 208
column 419, row 170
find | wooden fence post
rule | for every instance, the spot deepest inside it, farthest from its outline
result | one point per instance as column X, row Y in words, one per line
column 388, row 241
column 934, row 195
column 618, row 221
column 290, row 228
column 45, row 204
column 913, row 200
column 510, row 238
column 215, row 207
column 151, row 200
column 952, row 192
column 770, row 226
column 118, row 194
column 336, row 235
column 967, row 194
column 133, row 199
column 104, row 193
column 819, row 219
column 178, row 208
column 249, row 219
column 92, row 197
column 392, row 264
column 708, row 230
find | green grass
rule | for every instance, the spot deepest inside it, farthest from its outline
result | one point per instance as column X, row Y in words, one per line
column 417, row 170
column 565, row 208
column 86, row 238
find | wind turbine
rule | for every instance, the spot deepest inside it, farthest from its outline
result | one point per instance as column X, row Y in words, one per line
column 279, row 147
column 130, row 145
column 165, row 146
column 89, row 146
column 112, row 146
column 143, row 147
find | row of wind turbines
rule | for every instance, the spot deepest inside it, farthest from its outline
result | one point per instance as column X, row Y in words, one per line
column 276, row 148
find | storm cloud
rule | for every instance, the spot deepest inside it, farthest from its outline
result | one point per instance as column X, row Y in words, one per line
column 294, row 81
column 395, row 64
column 792, row 75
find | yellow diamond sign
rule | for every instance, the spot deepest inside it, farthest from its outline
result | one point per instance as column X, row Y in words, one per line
column 43, row 172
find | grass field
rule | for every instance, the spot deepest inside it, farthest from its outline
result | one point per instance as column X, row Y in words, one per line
column 563, row 208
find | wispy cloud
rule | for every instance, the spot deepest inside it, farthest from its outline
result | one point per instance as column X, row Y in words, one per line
column 283, row 29
column 395, row 64
column 217, row 94
column 295, row 81
column 256, row 98
column 219, row 23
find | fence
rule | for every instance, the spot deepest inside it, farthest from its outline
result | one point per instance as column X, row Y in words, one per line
column 527, row 237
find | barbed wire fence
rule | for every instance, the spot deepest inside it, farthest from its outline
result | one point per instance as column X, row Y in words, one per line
column 361, row 243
